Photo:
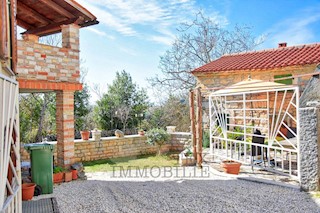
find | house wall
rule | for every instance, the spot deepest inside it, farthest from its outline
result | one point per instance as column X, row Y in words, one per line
column 220, row 80
column 113, row 147
column 227, row 78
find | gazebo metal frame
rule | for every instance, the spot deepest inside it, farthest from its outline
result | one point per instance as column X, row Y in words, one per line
column 239, row 113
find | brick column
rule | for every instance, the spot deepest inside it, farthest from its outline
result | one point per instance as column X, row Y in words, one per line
column 70, row 36
column 65, row 127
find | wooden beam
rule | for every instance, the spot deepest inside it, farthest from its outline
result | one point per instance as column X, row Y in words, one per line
column 3, row 30
column 193, row 125
column 34, row 13
column 13, row 34
column 57, row 8
column 81, row 9
column 50, row 29
column 199, row 127
column 23, row 24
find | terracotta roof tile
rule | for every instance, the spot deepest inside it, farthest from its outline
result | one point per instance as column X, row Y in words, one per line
column 265, row 59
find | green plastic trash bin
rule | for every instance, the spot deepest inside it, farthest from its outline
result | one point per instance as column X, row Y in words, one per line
column 41, row 165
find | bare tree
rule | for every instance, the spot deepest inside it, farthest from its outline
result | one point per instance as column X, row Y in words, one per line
column 123, row 113
column 97, row 89
column 53, row 40
column 199, row 43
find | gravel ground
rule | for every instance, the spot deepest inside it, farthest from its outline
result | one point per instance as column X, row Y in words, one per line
column 216, row 194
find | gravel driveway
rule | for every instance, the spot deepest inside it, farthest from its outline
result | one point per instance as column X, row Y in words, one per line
column 214, row 195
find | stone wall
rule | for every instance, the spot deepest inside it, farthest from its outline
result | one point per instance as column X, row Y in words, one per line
column 113, row 147
column 310, row 148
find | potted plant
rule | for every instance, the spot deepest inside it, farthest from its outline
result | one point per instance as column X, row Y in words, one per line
column 68, row 176
column 28, row 190
column 141, row 132
column 85, row 133
column 231, row 166
column 186, row 158
column 58, row 174
column 157, row 137
column 74, row 174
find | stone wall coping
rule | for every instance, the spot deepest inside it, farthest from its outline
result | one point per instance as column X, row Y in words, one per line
column 180, row 133
column 114, row 138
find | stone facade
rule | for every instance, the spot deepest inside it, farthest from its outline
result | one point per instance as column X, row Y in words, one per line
column 221, row 79
column 310, row 148
column 113, row 147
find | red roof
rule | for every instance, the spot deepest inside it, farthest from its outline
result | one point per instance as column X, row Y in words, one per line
column 265, row 59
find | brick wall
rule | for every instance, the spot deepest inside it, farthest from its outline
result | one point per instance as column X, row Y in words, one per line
column 49, row 63
column 112, row 147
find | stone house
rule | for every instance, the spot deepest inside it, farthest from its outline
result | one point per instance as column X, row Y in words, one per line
column 294, row 65
column 266, row 65
column 291, row 65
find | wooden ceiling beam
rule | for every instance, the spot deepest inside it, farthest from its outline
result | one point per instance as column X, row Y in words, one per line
column 34, row 13
column 81, row 9
column 23, row 24
column 57, row 8
column 50, row 29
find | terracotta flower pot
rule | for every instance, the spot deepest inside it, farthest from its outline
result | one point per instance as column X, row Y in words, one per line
column 74, row 174
column 28, row 190
column 141, row 133
column 231, row 167
column 68, row 176
column 58, row 177
column 85, row 135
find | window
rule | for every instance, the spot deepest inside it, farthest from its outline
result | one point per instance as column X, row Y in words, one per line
column 288, row 81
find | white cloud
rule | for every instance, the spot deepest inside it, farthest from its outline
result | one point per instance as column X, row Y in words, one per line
column 162, row 39
column 100, row 33
column 153, row 20
column 294, row 30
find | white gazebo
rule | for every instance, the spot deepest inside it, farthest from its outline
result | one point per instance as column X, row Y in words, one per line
column 256, row 123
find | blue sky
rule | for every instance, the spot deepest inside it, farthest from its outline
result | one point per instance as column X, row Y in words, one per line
column 133, row 34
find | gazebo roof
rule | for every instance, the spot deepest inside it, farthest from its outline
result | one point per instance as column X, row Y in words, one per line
column 251, row 86
column 43, row 17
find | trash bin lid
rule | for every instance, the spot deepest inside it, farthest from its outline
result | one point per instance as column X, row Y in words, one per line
column 34, row 146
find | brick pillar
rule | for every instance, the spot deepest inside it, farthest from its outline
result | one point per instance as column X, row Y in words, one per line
column 310, row 148
column 70, row 36
column 65, row 127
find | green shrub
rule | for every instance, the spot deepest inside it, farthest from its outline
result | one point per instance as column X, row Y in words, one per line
column 57, row 169
column 157, row 137
column 206, row 139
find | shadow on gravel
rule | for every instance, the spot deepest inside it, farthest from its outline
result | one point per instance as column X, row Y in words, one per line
column 180, row 196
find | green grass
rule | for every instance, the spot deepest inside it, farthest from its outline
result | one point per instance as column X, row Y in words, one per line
column 109, row 165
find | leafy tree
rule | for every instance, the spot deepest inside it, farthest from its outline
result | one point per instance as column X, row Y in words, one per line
column 38, row 113
column 37, row 116
column 157, row 137
column 124, row 99
column 199, row 43
column 81, row 102
column 172, row 112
